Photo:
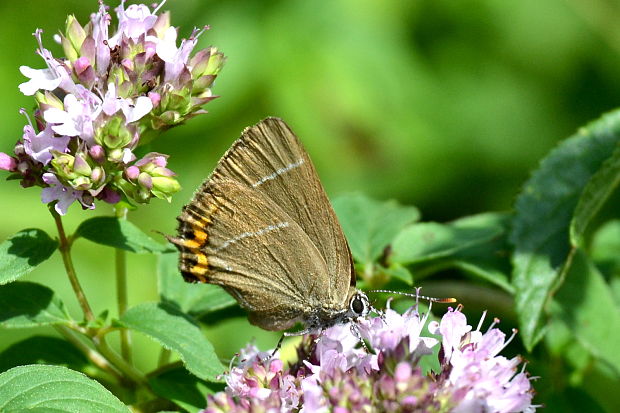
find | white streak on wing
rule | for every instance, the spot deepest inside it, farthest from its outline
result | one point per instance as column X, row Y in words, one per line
column 278, row 173
column 244, row 235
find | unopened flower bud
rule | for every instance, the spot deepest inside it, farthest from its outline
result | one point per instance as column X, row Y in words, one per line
column 84, row 70
column 115, row 155
column 132, row 173
column 63, row 163
column 48, row 100
column 152, row 160
column 145, row 180
column 114, row 134
column 19, row 149
column 74, row 34
column 109, row 196
column 159, row 171
column 127, row 64
column 23, row 167
column 8, row 163
column 119, row 75
column 70, row 52
column 155, row 98
column 165, row 186
column 88, row 77
column 199, row 62
column 88, row 49
column 80, row 165
column 81, row 64
column 202, row 83
column 97, row 153
column 216, row 61
column 81, row 183
column 97, row 175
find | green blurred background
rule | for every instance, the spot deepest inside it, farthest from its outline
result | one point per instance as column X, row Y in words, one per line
column 446, row 105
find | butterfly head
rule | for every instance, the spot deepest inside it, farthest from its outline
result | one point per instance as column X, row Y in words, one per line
column 359, row 306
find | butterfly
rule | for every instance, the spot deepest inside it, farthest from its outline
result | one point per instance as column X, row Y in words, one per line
column 261, row 226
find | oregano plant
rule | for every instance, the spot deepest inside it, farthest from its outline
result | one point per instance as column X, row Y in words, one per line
column 125, row 78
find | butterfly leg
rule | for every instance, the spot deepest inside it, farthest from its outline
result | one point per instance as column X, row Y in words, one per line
column 287, row 334
column 358, row 334
column 278, row 346
column 380, row 313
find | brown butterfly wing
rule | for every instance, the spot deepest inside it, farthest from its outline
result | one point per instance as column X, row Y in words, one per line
column 270, row 158
column 234, row 236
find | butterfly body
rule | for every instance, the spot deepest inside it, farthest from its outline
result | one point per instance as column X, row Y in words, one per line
column 262, row 227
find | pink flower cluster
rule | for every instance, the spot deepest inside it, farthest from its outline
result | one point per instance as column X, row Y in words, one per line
column 339, row 375
column 486, row 380
column 111, row 93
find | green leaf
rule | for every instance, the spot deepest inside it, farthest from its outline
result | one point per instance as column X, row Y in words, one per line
column 42, row 350
column 184, row 389
column 489, row 261
column 476, row 245
column 175, row 331
column 196, row 299
column 27, row 304
column 605, row 251
column 594, row 195
column 399, row 272
column 544, row 211
column 590, row 311
column 371, row 225
column 54, row 389
column 21, row 253
column 430, row 240
column 489, row 273
column 119, row 233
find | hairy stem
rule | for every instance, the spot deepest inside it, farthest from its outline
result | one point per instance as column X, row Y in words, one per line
column 93, row 355
column 127, row 369
column 121, row 291
column 65, row 251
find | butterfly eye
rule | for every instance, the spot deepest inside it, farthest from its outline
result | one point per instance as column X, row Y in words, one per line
column 358, row 306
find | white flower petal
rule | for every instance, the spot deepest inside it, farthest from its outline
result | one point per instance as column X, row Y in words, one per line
column 167, row 47
column 111, row 104
column 128, row 156
column 141, row 108
column 43, row 79
column 55, row 115
column 67, row 129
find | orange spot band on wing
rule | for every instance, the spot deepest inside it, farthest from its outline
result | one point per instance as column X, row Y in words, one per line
column 191, row 244
column 200, row 236
column 200, row 277
column 201, row 259
column 199, row 271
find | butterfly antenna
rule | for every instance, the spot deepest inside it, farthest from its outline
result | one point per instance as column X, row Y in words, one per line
column 375, row 310
column 417, row 296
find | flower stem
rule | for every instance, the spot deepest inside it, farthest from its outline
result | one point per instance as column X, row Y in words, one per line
column 93, row 355
column 121, row 292
column 128, row 370
column 65, row 251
